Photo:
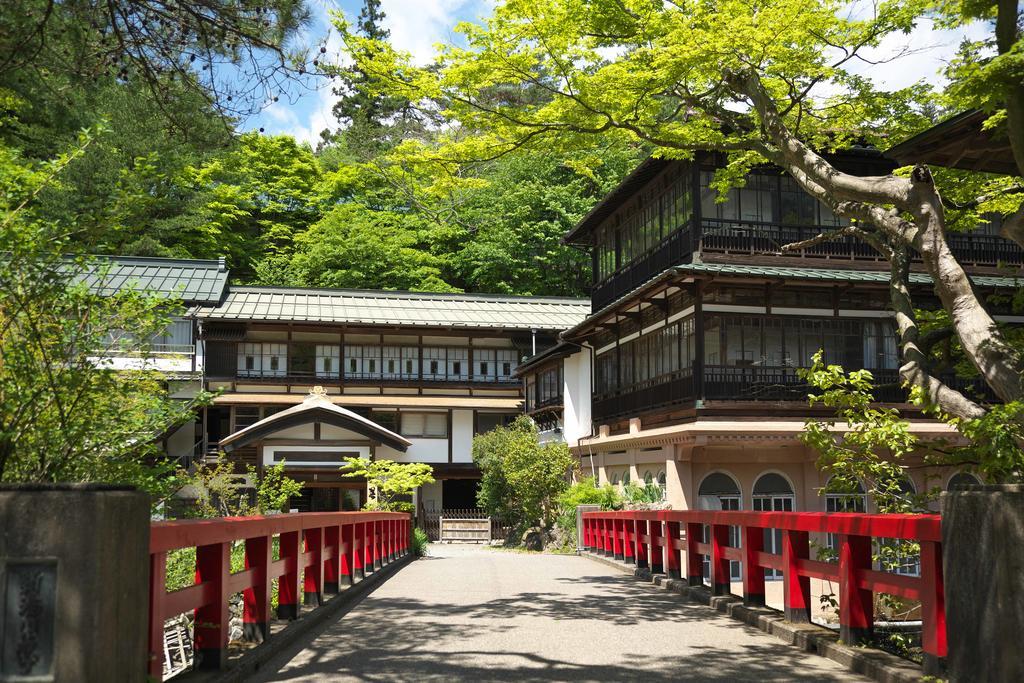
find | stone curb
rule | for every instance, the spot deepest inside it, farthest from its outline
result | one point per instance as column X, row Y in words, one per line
column 251, row 661
column 875, row 664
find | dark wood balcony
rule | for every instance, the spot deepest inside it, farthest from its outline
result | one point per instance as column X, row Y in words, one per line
column 747, row 384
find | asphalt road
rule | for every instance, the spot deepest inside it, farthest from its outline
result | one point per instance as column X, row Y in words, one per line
column 477, row 614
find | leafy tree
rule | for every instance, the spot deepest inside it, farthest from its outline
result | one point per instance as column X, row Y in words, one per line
column 356, row 247
column 156, row 45
column 254, row 200
column 584, row 491
column 522, row 478
column 390, row 483
column 220, row 492
column 760, row 83
column 373, row 119
column 65, row 414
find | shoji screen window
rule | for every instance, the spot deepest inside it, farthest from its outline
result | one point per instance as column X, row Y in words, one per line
column 328, row 360
column 391, row 362
column 275, row 360
column 458, row 364
column 506, row 364
column 249, row 360
column 410, row 362
column 485, row 368
column 434, row 363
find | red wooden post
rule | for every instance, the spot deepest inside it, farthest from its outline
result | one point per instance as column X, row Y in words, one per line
column 694, row 559
column 617, row 528
column 753, row 575
column 314, row 573
column 256, row 600
column 345, row 555
column 367, row 547
column 672, row 530
column 357, row 551
column 629, row 540
column 933, row 608
column 856, row 609
column 213, row 564
column 288, row 583
column 720, row 579
column 796, row 589
column 157, row 591
column 332, row 546
column 376, row 543
column 639, row 544
column 586, row 533
column 657, row 556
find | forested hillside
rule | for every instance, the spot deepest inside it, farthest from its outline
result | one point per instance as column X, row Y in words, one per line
column 169, row 174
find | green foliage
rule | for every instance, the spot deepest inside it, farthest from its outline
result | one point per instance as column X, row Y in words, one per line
column 584, row 492
column 522, row 478
column 873, row 444
column 648, row 493
column 220, row 492
column 65, row 415
column 420, row 541
column 391, row 483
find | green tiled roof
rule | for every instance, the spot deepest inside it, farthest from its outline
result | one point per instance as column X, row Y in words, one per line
column 191, row 280
column 788, row 273
column 831, row 274
column 413, row 309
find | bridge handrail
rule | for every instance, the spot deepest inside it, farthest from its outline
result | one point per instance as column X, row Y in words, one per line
column 337, row 546
column 661, row 540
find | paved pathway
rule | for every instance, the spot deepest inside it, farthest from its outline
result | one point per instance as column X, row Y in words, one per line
column 477, row 614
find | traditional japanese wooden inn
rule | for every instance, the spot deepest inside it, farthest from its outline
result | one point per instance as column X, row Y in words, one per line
column 312, row 376
column 684, row 374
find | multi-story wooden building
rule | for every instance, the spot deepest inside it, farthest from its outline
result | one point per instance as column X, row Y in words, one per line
column 311, row 376
column 685, row 371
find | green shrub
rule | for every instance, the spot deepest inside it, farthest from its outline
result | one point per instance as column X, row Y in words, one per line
column 419, row 542
column 584, row 492
column 634, row 493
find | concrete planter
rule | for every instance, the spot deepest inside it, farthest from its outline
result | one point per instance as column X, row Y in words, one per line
column 74, row 581
column 983, row 568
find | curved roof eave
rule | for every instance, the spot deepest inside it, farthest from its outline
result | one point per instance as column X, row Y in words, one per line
column 316, row 408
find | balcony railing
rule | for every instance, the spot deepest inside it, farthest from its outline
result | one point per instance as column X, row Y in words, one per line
column 674, row 249
column 332, row 378
column 746, row 384
column 755, row 237
column 742, row 237
column 655, row 394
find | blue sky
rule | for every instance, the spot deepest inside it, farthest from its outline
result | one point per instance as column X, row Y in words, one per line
column 417, row 25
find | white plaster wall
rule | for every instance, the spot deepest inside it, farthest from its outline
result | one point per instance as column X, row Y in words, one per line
column 270, row 453
column 180, row 443
column 421, row 450
column 462, row 436
column 430, row 496
column 576, row 396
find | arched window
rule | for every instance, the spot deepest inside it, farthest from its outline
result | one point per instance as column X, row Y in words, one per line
column 842, row 496
column 721, row 486
column 961, row 479
column 772, row 484
column 719, row 491
column 648, row 478
column 773, row 493
column 615, row 478
column 625, row 477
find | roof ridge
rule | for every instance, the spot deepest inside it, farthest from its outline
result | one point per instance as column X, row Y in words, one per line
column 167, row 260
column 404, row 293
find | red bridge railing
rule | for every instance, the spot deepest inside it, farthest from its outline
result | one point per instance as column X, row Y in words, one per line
column 670, row 542
column 322, row 550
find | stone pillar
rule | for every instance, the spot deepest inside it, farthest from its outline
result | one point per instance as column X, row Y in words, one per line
column 74, row 582
column 983, row 566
